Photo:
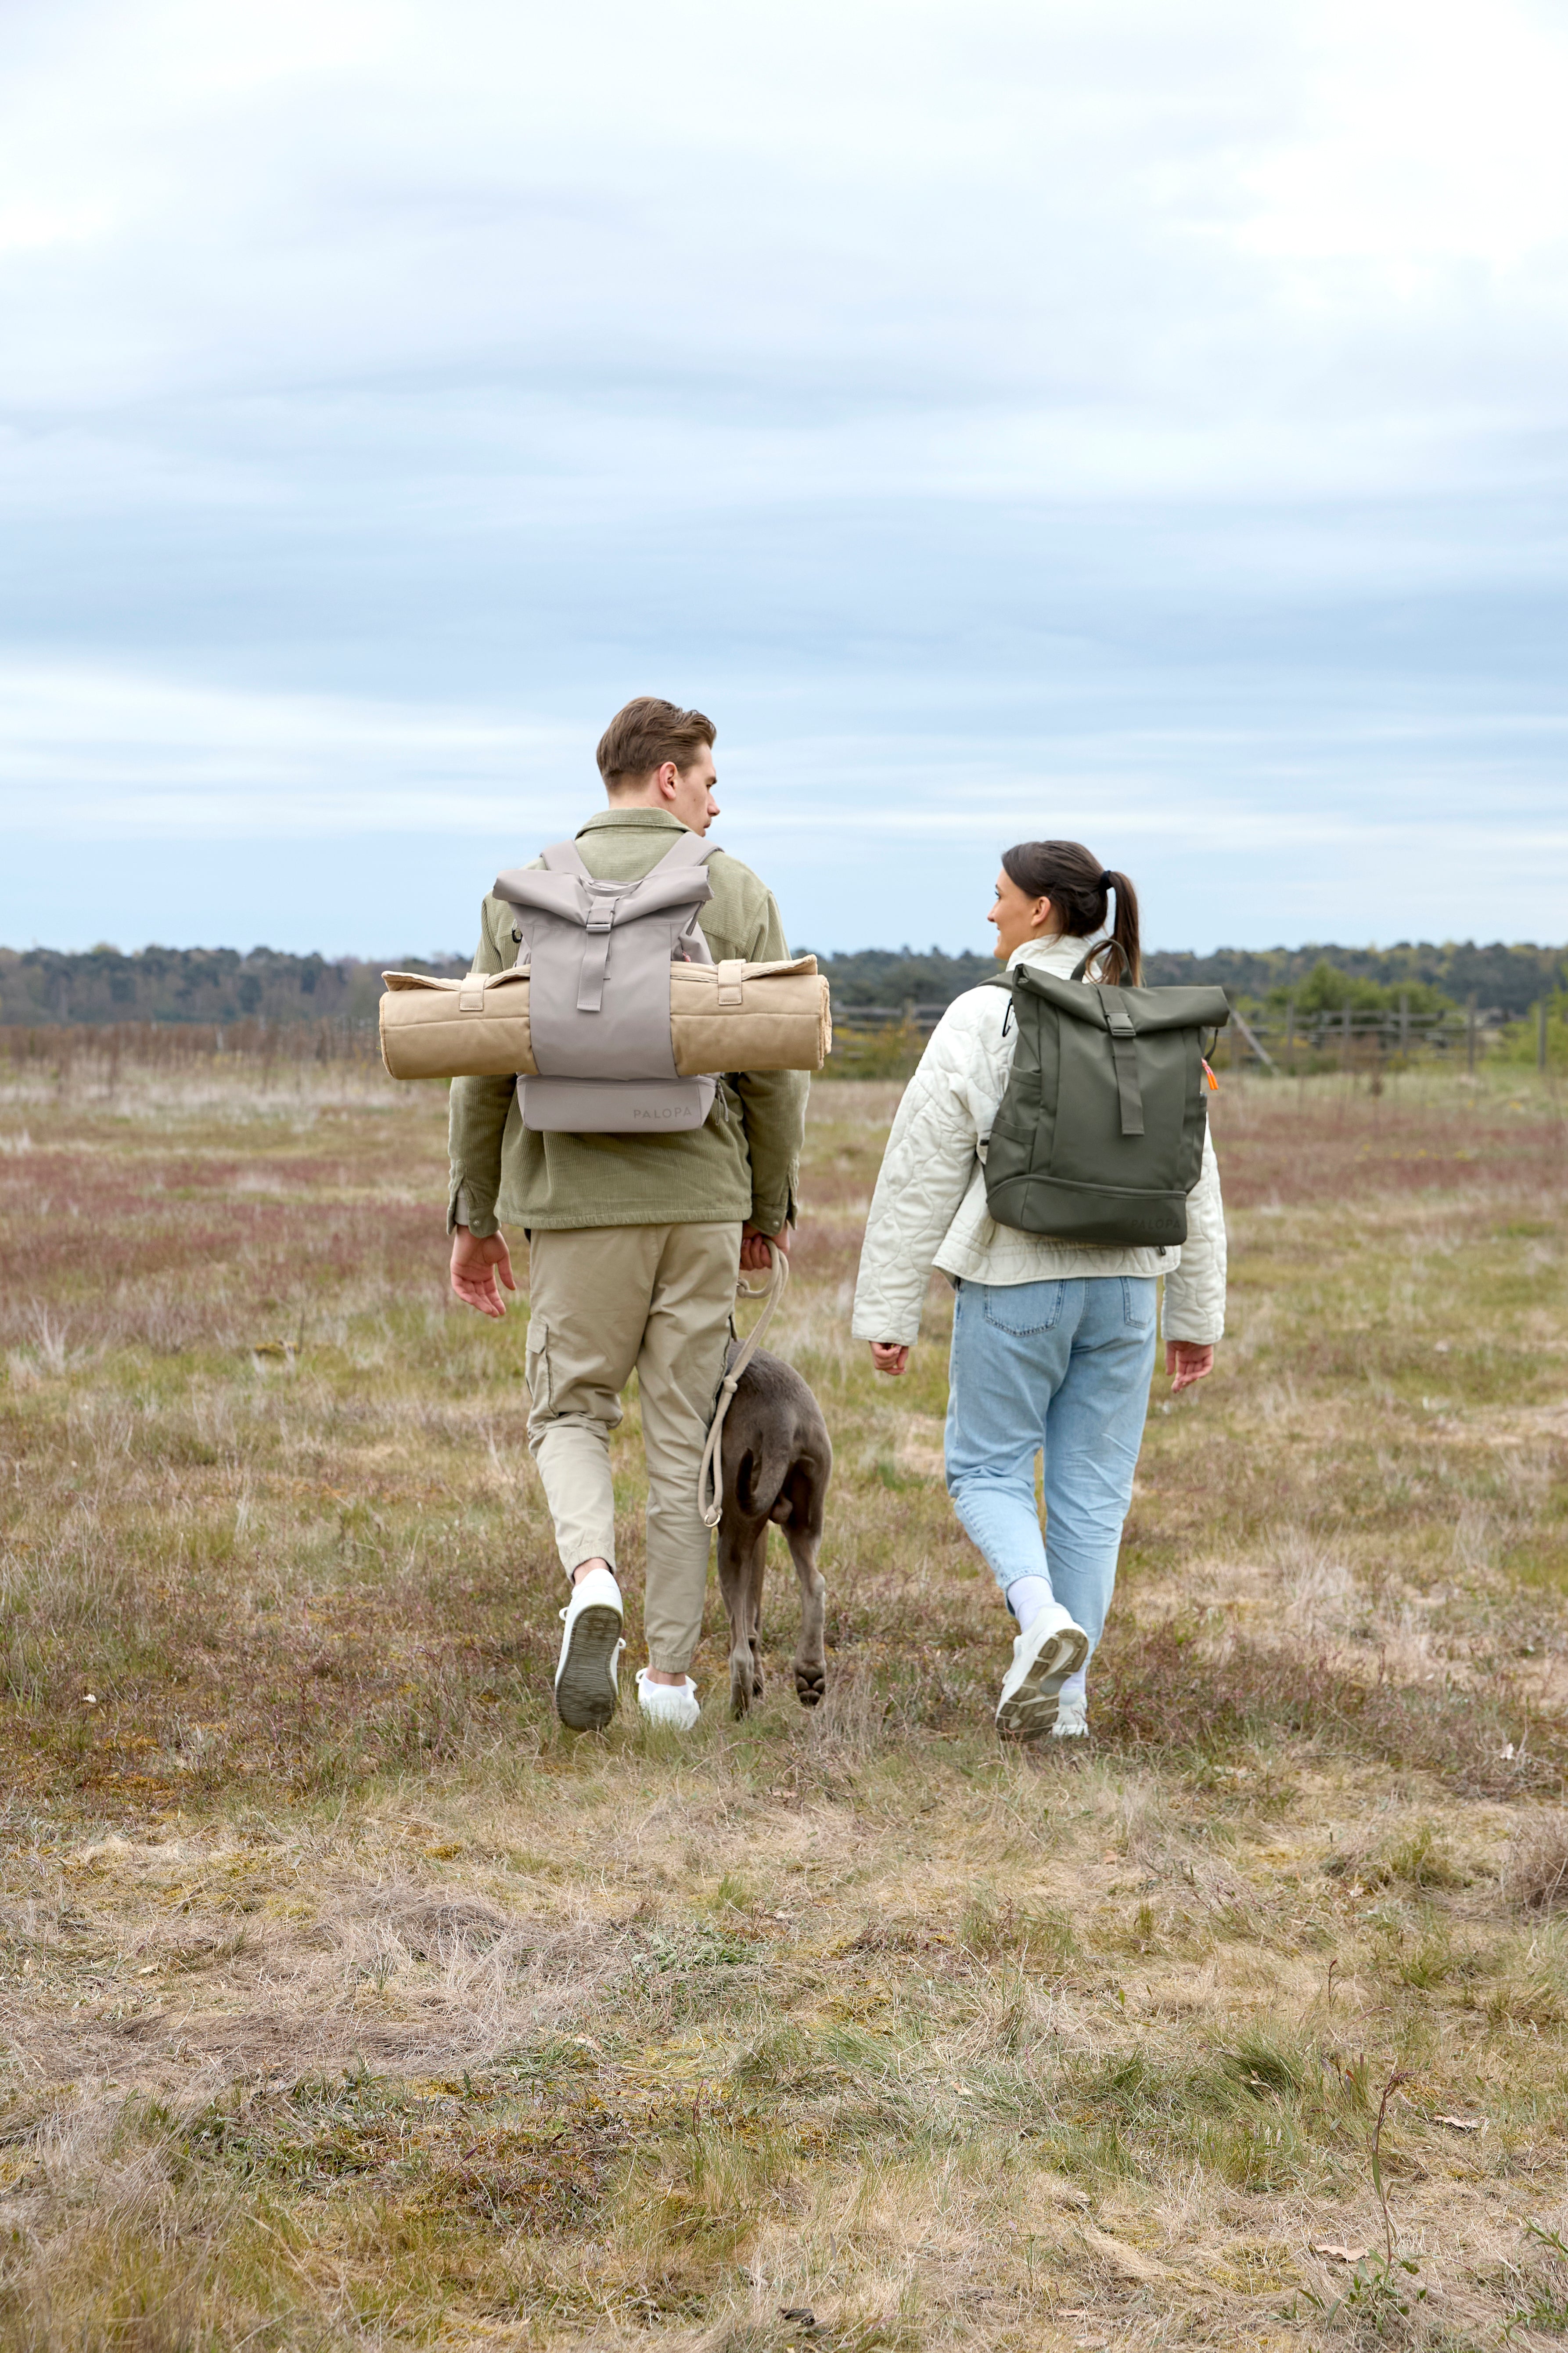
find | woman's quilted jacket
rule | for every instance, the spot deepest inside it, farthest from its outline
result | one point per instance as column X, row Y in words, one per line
column 929, row 1208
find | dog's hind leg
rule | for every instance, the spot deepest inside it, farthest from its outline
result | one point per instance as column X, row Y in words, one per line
column 803, row 1533
column 741, row 1560
column 759, row 1570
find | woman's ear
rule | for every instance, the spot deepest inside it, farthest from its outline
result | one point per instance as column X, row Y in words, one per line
column 1040, row 914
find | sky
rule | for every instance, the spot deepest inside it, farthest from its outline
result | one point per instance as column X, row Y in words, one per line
column 1006, row 418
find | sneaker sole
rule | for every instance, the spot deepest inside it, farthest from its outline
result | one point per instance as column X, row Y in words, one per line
column 585, row 1692
column 1031, row 1711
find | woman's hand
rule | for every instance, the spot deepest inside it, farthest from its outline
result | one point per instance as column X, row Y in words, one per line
column 1187, row 1362
column 889, row 1356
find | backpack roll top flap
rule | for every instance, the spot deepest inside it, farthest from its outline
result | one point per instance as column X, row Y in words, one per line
column 1151, row 1010
column 476, row 1028
column 750, row 1016
column 1099, row 1136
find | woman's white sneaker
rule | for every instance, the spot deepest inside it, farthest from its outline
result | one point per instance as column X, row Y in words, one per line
column 675, row 1704
column 1054, row 1648
column 586, row 1691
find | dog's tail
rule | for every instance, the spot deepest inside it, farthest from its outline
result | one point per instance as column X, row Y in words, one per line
column 761, row 1471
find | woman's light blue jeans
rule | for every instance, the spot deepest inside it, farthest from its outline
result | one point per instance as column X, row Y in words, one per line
column 1062, row 1369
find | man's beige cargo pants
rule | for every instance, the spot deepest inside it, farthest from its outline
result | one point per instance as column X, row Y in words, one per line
column 605, row 1302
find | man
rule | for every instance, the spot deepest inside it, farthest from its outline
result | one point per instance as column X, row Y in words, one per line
column 634, row 1245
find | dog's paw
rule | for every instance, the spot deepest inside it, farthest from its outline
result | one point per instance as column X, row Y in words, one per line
column 810, row 1683
column 742, row 1688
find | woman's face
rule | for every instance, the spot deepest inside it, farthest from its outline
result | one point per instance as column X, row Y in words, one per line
column 1017, row 918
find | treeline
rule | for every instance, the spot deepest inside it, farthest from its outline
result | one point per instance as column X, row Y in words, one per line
column 1503, row 979
column 211, row 987
column 220, row 986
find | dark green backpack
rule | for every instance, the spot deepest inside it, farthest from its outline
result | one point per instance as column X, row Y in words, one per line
column 1099, row 1136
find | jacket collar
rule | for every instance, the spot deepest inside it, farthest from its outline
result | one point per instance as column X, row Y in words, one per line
column 1058, row 955
column 631, row 820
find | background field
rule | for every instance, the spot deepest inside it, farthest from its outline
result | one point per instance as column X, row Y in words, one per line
column 349, row 2002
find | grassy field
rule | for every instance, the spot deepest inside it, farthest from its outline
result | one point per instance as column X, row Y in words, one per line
column 349, row 2002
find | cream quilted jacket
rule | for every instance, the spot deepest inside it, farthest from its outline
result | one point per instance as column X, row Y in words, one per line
column 929, row 1208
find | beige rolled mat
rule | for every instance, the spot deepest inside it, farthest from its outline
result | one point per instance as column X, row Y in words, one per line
column 748, row 1016
column 722, row 1016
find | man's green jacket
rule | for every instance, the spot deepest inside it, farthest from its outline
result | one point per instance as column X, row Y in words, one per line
column 744, row 1162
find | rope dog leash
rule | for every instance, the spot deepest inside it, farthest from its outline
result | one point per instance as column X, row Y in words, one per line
column 707, row 1497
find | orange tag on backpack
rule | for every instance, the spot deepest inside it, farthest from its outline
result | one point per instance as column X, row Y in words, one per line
column 1214, row 1082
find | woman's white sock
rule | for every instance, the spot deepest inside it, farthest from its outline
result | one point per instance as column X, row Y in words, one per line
column 1026, row 1596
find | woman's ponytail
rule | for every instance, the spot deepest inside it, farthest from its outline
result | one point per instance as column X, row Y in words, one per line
column 1080, row 889
column 1124, row 934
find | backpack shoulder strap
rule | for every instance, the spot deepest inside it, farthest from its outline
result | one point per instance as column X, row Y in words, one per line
column 692, row 849
column 1003, row 980
column 564, row 858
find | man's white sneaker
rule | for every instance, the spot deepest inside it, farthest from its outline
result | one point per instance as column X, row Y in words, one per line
column 675, row 1704
column 1072, row 1708
column 1054, row 1648
column 585, row 1686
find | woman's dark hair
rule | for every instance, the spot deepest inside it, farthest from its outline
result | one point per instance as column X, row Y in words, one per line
column 1079, row 888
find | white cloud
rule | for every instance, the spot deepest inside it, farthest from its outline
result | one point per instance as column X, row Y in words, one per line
column 137, row 755
column 1164, row 405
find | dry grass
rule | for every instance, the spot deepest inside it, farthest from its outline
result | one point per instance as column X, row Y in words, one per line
column 347, row 2002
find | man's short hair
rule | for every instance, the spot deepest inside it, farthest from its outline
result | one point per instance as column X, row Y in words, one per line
column 645, row 733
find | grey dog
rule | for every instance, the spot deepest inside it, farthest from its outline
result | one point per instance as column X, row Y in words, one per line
column 775, row 1461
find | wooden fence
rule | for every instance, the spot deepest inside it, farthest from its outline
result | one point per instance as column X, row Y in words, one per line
column 1291, row 1039
column 880, row 1040
column 61, row 1047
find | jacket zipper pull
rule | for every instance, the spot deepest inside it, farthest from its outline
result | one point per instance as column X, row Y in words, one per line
column 1214, row 1082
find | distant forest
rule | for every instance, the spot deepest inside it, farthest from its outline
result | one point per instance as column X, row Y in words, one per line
column 219, row 985
column 1506, row 980
column 42, row 986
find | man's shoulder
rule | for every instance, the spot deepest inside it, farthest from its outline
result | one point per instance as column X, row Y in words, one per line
column 723, row 865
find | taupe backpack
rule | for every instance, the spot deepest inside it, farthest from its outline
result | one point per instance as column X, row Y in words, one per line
column 599, row 955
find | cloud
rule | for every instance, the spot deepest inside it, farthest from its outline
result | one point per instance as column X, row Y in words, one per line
column 1152, row 415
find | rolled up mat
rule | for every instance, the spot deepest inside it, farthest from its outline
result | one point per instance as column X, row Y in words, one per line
column 748, row 1016
column 471, row 1029
column 722, row 1016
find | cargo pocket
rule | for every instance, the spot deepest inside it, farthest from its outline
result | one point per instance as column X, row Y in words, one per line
column 536, row 1363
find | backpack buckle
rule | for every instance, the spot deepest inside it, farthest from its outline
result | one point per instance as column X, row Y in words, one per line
column 601, row 905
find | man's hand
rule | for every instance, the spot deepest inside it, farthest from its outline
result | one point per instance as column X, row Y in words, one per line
column 1186, row 1362
column 475, row 1266
column 754, row 1258
column 889, row 1356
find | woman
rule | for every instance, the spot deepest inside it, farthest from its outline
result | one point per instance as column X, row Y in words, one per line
column 1053, row 1342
